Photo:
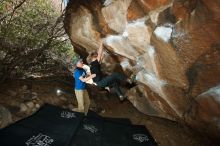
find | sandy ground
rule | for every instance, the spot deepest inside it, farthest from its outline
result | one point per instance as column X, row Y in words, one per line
column 166, row 132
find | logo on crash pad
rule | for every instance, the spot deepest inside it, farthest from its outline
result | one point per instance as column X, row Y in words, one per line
column 90, row 128
column 140, row 138
column 40, row 140
column 67, row 115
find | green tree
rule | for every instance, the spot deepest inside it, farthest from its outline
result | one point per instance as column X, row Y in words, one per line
column 32, row 38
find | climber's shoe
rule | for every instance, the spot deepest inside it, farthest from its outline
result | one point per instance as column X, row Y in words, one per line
column 131, row 79
column 107, row 89
column 122, row 97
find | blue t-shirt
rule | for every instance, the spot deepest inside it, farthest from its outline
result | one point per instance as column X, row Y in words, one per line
column 79, row 85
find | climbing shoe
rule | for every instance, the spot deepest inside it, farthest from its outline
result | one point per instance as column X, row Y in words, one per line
column 107, row 89
column 131, row 79
column 122, row 97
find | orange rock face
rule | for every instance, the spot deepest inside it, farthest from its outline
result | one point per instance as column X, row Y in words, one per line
column 172, row 45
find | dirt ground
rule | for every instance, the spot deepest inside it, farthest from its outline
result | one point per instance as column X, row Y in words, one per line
column 166, row 132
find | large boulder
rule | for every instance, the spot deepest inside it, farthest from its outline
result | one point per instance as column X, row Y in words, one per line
column 172, row 45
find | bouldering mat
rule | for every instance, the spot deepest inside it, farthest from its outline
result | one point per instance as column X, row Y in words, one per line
column 118, row 120
column 140, row 136
column 54, row 126
column 115, row 134
column 89, row 132
column 49, row 126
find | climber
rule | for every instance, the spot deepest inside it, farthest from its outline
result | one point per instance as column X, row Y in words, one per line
column 112, row 80
column 80, row 86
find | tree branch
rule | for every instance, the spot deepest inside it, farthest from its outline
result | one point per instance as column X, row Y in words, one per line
column 13, row 11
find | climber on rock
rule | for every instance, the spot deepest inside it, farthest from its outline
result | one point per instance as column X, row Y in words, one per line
column 112, row 81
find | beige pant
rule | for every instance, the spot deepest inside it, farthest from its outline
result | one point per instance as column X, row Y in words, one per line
column 83, row 100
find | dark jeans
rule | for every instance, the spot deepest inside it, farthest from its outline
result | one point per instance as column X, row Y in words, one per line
column 113, row 81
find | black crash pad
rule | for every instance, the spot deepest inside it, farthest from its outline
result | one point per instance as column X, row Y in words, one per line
column 89, row 132
column 22, row 136
column 54, row 126
column 140, row 136
column 50, row 126
column 115, row 134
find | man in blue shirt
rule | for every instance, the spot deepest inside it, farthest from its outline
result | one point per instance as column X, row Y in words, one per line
column 80, row 87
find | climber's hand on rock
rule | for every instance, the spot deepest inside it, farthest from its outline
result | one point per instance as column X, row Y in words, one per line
column 101, row 43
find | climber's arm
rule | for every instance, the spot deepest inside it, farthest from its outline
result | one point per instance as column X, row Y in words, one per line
column 100, row 52
column 87, row 78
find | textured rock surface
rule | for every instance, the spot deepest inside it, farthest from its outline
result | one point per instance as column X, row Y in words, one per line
column 172, row 45
column 5, row 117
